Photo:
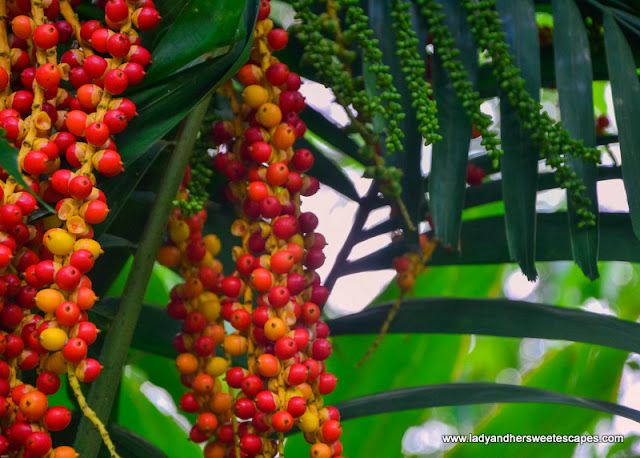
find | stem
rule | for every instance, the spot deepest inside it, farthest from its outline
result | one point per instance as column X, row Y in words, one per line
column 118, row 339
column 88, row 411
column 366, row 205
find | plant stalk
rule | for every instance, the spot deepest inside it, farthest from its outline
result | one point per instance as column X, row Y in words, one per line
column 118, row 339
column 365, row 207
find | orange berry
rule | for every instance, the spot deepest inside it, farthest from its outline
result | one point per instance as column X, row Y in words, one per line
column 203, row 384
column 255, row 96
column 169, row 256
column 269, row 115
column 283, row 137
column 275, row 328
column 277, row 174
column 267, row 365
column 235, row 345
column 186, row 363
column 63, row 452
column 192, row 288
column 405, row 280
column 221, row 403
column 33, row 405
column 320, row 450
column 215, row 450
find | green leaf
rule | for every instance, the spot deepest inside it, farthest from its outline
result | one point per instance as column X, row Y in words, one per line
column 191, row 35
column 120, row 187
column 448, row 176
column 576, row 369
column 484, row 241
column 520, row 161
column 574, row 77
column 164, row 104
column 625, row 88
column 495, row 317
column 456, row 394
column 491, row 191
column 132, row 445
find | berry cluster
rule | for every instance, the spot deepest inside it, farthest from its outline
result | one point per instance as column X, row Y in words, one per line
column 445, row 45
column 555, row 142
column 63, row 140
column 273, row 299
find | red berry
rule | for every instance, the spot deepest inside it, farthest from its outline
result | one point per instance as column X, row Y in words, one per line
column 146, row 18
column 118, row 45
column 45, row 36
column 116, row 81
column 277, row 74
column 48, row 76
column 75, row 350
column 116, row 10
column 278, row 39
column 38, row 443
column 48, row 383
column 57, row 418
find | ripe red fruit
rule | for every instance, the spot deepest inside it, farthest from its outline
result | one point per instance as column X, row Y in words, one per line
column 302, row 159
column 244, row 408
column 297, row 374
column 285, row 227
column 116, row 10
column 45, row 36
column 35, row 162
column 327, row 383
column 277, row 74
column 48, row 76
column 278, row 39
column 145, row 18
column 282, row 421
column 75, row 350
column 99, row 39
column 118, row 45
column 285, row 348
column 68, row 278
column 38, row 443
column 265, row 10
column 266, row 401
column 68, row 314
column 189, row 403
column 251, row 385
column 57, row 418
column 331, row 430
column 116, row 81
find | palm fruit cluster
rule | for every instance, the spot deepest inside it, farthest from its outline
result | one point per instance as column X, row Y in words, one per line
column 265, row 374
column 61, row 112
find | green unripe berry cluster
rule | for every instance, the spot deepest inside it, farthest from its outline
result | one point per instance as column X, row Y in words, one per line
column 414, row 71
column 555, row 142
column 197, row 187
column 444, row 44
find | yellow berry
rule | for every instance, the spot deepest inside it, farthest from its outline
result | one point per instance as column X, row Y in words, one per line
column 255, row 95
column 210, row 310
column 59, row 241
column 53, row 339
column 216, row 366
column 308, row 422
column 179, row 231
column 48, row 300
